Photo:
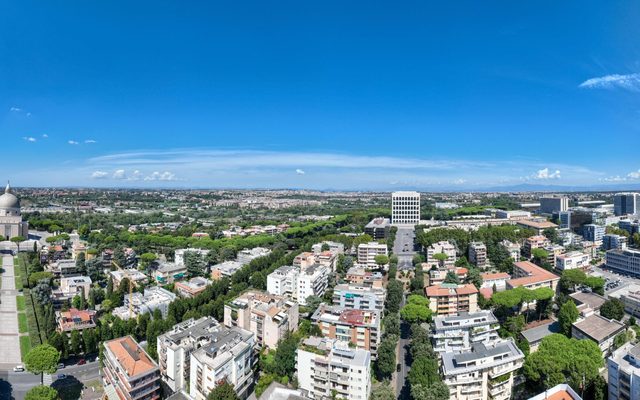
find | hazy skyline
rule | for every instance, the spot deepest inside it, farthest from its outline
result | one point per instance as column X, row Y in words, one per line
column 327, row 96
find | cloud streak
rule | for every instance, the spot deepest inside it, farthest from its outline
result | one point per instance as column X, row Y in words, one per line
column 629, row 82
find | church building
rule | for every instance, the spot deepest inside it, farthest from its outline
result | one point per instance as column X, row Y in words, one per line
column 11, row 224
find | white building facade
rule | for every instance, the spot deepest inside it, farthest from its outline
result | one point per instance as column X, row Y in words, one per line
column 405, row 208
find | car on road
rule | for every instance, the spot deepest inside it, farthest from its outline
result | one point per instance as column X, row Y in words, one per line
column 62, row 376
column 82, row 361
column 398, row 367
column 18, row 368
column 61, row 365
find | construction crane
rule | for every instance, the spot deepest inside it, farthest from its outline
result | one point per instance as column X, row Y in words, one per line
column 130, row 289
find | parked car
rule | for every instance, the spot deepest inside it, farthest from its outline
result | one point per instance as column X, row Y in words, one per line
column 62, row 376
column 18, row 368
column 82, row 361
column 61, row 365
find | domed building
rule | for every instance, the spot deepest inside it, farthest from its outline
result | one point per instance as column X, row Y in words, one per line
column 11, row 223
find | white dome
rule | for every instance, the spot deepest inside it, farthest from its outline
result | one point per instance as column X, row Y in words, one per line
column 9, row 201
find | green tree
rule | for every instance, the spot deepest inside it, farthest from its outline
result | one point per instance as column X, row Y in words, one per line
column 81, row 263
column 441, row 258
column 391, row 324
column 382, row 392
column 224, row 391
column 76, row 343
column 416, row 313
column 194, row 263
column 436, row 391
column 381, row 260
column 424, row 371
column 42, row 392
column 474, row 277
column 570, row 279
column 17, row 240
column 394, row 296
column 285, row 357
column 539, row 256
column 567, row 315
column 386, row 362
column 42, row 358
column 596, row 284
column 36, row 277
column 452, row 277
column 612, row 309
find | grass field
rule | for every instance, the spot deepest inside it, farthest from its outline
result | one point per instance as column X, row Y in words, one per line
column 25, row 345
column 20, row 302
column 23, row 326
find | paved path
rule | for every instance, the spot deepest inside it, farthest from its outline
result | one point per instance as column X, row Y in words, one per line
column 9, row 334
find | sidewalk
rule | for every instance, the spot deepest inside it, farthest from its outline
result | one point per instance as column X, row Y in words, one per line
column 9, row 333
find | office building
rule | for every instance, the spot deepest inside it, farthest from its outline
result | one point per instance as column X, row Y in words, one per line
column 360, row 327
column 487, row 371
column 456, row 333
column 614, row 242
column 359, row 297
column 154, row 298
column 228, row 356
column 367, row 253
column 268, row 317
column 192, row 287
column 129, row 373
column 329, row 368
column 531, row 276
column 572, row 260
column 538, row 225
column 175, row 347
column 598, row 329
column 378, row 228
column 405, row 208
column 626, row 203
column 478, row 254
column 533, row 242
column 451, row 299
column 626, row 261
column 623, row 370
column 593, row 232
column 549, row 205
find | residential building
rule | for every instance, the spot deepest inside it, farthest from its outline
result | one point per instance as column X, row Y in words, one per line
column 245, row 256
column 534, row 336
column 133, row 275
column 558, row 392
column 359, row 297
column 175, row 347
column 531, row 276
column 228, row 356
column 304, row 259
column 71, row 287
column 179, row 254
column 626, row 203
column 438, row 275
column 168, row 273
column 192, row 287
column 572, row 260
column 298, row 284
column 405, row 208
column 75, row 320
column 487, row 371
column 225, row 269
column 553, row 250
column 329, row 368
column 478, row 254
column 277, row 391
column 367, row 253
column 154, row 298
column 495, row 279
column 443, row 247
column 593, row 232
column 533, row 242
column 64, row 269
column 378, row 228
column 360, row 327
column 512, row 248
column 362, row 277
column 334, row 247
column 451, row 299
column 549, row 205
column 588, row 302
column 129, row 373
column 626, row 261
column 538, row 225
column 623, row 369
column 456, row 333
column 267, row 316
column 284, row 281
column 598, row 329
column 614, row 242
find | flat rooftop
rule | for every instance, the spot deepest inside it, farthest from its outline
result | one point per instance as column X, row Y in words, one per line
column 599, row 328
column 538, row 333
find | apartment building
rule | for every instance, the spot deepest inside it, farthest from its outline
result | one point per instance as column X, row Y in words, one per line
column 626, row 261
column 168, row 273
column 154, row 298
column 360, row 327
column 495, row 279
column 308, row 259
column 623, row 369
column 598, row 329
column 478, row 254
column 179, row 254
column 614, row 242
column 572, row 260
column 228, row 356
column 378, row 228
column 225, row 269
column 593, row 232
column 267, row 316
column 558, row 392
column 367, row 253
column 175, row 348
column 533, row 242
column 71, row 287
column 245, row 256
column 129, row 373
column 456, row 333
column 437, row 276
column 531, row 276
column 405, row 208
column 329, row 368
column 360, row 276
column 75, row 320
column 512, row 248
column 192, row 287
column 333, row 247
column 550, row 205
column 359, row 297
column 443, row 247
column 298, row 284
column 451, row 299
column 133, row 275
column 553, row 250
column 487, row 371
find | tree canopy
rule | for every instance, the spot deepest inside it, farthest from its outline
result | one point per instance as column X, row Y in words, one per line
column 42, row 358
column 612, row 309
column 42, row 392
column 567, row 315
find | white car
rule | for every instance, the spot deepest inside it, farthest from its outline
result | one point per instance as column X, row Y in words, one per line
column 18, row 368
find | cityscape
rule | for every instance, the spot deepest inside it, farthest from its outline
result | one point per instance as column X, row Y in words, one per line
column 319, row 200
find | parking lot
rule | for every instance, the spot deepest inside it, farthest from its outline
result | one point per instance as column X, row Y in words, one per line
column 614, row 280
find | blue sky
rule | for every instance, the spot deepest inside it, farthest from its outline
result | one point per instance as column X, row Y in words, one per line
column 327, row 95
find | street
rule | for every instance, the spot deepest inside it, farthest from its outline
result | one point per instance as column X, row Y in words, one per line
column 403, row 247
column 402, row 388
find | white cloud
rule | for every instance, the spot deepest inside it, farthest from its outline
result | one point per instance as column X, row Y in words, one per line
column 614, row 81
column 299, row 171
column 72, row 142
column 44, row 136
column 634, row 174
column 99, row 175
column 459, row 181
column 90, row 141
column 546, row 174
column 29, row 139
column 15, row 109
column 161, row 176
column 120, row 174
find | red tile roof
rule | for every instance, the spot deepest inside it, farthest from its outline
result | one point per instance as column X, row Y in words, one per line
column 535, row 274
column 131, row 357
column 439, row 291
column 489, row 276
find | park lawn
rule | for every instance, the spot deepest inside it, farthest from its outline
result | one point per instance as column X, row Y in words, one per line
column 25, row 346
column 31, row 319
column 18, row 283
column 23, row 326
column 20, row 302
